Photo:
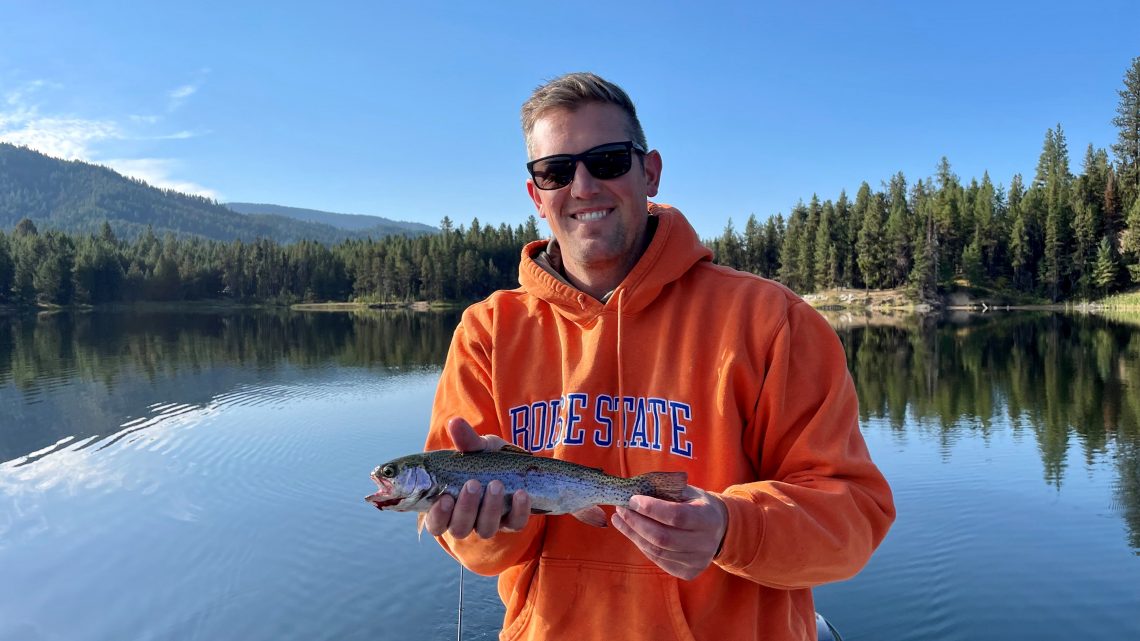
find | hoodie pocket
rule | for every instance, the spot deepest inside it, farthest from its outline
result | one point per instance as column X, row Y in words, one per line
column 584, row 600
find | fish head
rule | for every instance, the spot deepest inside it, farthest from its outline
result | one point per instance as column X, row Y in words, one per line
column 403, row 485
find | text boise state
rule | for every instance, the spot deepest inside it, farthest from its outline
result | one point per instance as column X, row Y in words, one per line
column 575, row 419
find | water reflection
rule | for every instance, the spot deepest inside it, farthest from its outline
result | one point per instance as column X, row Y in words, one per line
column 1064, row 380
column 1070, row 383
column 67, row 377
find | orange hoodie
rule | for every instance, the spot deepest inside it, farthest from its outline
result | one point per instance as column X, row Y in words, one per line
column 688, row 366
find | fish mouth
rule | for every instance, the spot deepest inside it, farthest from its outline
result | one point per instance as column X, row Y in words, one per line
column 383, row 497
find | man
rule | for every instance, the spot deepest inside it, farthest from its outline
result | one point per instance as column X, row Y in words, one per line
column 627, row 349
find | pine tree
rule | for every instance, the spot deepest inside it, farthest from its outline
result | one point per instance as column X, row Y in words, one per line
column 753, row 245
column 773, row 240
column 923, row 278
column 1130, row 241
column 898, row 232
column 1127, row 147
column 1104, row 272
column 7, row 269
column 792, row 269
column 948, row 212
column 873, row 252
column 731, row 251
column 1053, row 183
column 806, row 247
column 826, row 258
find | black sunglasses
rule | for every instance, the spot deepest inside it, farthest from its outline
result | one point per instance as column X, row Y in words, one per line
column 604, row 162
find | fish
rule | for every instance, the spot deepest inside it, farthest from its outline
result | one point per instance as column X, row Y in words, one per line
column 413, row 483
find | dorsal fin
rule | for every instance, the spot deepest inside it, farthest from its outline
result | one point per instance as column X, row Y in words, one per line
column 514, row 449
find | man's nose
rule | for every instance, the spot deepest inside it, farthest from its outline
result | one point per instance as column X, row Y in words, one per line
column 584, row 185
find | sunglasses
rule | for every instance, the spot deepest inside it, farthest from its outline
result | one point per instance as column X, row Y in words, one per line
column 604, row 162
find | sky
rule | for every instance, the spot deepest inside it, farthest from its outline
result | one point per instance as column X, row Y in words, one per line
column 409, row 110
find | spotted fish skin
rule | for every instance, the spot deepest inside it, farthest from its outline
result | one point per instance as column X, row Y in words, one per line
column 412, row 483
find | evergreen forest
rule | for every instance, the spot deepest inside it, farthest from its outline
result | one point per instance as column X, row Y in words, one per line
column 1059, row 236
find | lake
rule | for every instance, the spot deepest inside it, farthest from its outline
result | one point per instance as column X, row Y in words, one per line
column 200, row 475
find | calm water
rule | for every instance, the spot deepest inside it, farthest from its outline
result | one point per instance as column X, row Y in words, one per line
column 200, row 476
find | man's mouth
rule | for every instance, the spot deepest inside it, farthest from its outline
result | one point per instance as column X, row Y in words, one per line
column 587, row 216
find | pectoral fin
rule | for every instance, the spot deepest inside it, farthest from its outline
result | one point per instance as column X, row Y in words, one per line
column 592, row 515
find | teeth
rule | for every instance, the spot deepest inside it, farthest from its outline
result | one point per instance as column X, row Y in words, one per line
column 590, row 215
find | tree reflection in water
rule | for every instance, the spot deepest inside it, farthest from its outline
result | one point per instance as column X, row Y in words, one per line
column 1063, row 379
column 1059, row 377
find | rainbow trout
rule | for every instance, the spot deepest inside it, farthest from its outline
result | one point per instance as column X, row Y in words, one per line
column 412, row 483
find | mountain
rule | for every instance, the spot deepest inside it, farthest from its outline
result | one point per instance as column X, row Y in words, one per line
column 374, row 225
column 77, row 197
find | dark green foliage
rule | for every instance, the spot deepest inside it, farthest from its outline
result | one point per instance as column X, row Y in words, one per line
column 1127, row 147
column 1065, row 236
column 1104, row 269
column 58, row 269
column 1062, row 236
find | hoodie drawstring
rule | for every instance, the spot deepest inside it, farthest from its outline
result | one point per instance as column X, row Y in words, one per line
column 624, row 463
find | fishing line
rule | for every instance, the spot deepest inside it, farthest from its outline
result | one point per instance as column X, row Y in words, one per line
column 459, row 622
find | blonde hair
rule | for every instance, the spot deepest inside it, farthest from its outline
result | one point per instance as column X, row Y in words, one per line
column 570, row 92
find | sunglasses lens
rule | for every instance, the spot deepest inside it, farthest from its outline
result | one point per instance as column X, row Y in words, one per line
column 553, row 173
column 608, row 162
column 604, row 162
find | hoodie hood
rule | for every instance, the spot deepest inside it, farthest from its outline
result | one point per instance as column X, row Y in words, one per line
column 674, row 250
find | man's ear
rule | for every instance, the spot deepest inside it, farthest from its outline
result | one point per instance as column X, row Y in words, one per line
column 534, row 195
column 652, row 162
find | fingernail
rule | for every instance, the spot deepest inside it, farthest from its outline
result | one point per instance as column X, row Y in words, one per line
column 471, row 487
column 634, row 504
column 495, row 489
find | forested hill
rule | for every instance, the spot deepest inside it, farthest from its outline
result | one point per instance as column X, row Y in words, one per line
column 373, row 225
column 77, row 197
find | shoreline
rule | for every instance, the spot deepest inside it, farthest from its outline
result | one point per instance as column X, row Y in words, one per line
column 842, row 301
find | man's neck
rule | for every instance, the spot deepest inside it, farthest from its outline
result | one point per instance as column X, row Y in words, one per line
column 598, row 282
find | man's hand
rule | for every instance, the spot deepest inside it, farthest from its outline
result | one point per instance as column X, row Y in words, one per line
column 681, row 538
column 462, row 517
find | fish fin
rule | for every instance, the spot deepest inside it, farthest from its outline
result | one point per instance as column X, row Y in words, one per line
column 592, row 515
column 514, row 449
column 669, row 486
column 421, row 518
column 535, row 510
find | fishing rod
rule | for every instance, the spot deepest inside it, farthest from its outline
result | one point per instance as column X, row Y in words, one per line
column 459, row 622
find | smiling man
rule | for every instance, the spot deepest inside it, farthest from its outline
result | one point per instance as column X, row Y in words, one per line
column 627, row 349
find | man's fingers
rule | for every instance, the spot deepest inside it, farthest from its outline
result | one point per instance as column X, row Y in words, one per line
column 668, row 512
column 491, row 513
column 678, row 564
column 466, row 509
column 439, row 516
column 520, row 511
column 466, row 439
column 662, row 539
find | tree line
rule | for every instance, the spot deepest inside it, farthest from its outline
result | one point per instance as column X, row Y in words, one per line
column 56, row 268
column 1058, row 237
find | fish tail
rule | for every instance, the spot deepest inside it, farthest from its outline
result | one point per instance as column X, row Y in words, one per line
column 669, row 486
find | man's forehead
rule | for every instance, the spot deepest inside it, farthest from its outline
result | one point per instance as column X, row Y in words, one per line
column 591, row 124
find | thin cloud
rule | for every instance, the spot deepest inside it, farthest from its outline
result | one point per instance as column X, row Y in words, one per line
column 157, row 173
column 177, row 96
column 67, row 138
column 75, row 138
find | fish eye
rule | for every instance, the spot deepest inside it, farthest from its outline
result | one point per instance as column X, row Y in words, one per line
column 388, row 471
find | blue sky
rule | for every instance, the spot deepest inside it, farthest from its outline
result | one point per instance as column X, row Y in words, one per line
column 410, row 110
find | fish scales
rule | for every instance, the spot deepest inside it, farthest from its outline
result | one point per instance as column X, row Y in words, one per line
column 414, row 482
